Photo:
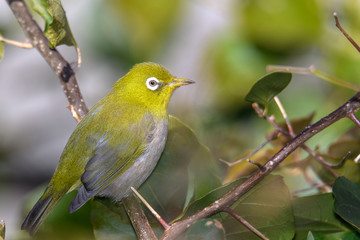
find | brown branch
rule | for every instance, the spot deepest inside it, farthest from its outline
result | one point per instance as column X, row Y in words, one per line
column 138, row 219
column 353, row 118
column 57, row 63
column 320, row 159
column 231, row 197
column 337, row 23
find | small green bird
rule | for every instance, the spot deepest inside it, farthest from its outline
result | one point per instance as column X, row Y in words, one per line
column 116, row 145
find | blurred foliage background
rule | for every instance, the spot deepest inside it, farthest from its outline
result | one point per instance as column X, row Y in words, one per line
column 224, row 46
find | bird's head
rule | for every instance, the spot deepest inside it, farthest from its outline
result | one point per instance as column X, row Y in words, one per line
column 149, row 84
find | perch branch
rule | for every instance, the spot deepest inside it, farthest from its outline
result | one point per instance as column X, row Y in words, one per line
column 138, row 219
column 231, row 197
column 320, row 159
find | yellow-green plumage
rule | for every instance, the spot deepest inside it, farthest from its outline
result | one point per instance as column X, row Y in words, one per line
column 116, row 145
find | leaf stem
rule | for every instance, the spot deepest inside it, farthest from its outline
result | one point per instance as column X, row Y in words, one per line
column 151, row 209
column 245, row 223
column 26, row 44
column 313, row 71
column 283, row 112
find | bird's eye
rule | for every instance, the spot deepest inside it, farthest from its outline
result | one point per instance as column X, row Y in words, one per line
column 152, row 83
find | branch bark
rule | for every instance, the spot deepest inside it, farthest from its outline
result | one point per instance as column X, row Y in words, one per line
column 57, row 63
column 138, row 218
column 231, row 197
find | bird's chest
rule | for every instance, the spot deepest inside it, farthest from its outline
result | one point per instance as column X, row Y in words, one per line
column 142, row 167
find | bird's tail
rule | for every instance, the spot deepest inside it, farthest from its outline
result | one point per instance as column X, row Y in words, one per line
column 40, row 211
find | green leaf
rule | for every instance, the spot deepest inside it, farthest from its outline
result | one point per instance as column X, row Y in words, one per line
column 268, row 87
column 340, row 149
column 57, row 28
column 315, row 213
column 212, row 196
column 110, row 223
column 333, row 236
column 266, row 206
column 347, row 145
column 336, row 236
column 347, row 201
column 206, row 229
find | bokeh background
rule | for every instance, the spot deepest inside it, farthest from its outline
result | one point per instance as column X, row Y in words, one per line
column 224, row 46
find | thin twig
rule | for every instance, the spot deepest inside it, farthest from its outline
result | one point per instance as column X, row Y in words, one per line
column 272, row 137
column 255, row 163
column 320, row 159
column 317, row 157
column 315, row 186
column 316, row 72
column 338, row 25
column 353, row 118
column 283, row 113
column 151, row 209
column 245, row 223
column 26, row 44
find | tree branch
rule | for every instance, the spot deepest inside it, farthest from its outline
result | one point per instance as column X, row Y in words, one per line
column 138, row 219
column 57, row 63
column 231, row 197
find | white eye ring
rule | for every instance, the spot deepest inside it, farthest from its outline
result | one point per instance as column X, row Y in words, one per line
column 152, row 83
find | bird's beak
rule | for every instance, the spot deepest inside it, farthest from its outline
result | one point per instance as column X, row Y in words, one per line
column 177, row 82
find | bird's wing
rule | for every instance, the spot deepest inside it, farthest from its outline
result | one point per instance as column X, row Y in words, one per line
column 113, row 155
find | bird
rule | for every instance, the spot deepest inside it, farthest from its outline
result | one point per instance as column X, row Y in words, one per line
column 116, row 145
